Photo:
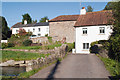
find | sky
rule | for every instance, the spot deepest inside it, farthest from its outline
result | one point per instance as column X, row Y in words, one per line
column 13, row 11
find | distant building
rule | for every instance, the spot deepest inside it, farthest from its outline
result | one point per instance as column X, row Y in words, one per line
column 38, row 29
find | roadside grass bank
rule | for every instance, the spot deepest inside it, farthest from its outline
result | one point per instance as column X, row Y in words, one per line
column 19, row 55
column 111, row 65
column 52, row 46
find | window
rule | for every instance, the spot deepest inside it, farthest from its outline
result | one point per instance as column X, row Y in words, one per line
column 85, row 45
column 28, row 30
column 16, row 31
column 33, row 29
column 47, row 30
column 39, row 29
column 102, row 30
column 84, row 30
column 39, row 34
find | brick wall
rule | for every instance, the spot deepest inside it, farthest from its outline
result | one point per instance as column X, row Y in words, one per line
column 59, row 30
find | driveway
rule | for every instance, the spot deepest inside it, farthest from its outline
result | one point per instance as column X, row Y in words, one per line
column 75, row 66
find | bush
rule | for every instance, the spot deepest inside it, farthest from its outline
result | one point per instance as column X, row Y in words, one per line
column 4, row 45
column 10, row 45
column 49, row 39
column 70, row 46
column 27, row 42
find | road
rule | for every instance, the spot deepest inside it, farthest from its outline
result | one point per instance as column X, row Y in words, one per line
column 75, row 66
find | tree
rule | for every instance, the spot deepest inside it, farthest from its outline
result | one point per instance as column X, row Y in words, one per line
column 115, row 37
column 89, row 9
column 109, row 6
column 5, row 29
column 44, row 19
column 27, row 17
column 34, row 21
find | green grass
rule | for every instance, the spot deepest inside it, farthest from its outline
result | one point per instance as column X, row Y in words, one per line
column 19, row 55
column 111, row 65
column 37, row 47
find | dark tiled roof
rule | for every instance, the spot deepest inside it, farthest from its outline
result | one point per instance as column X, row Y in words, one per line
column 65, row 18
column 18, row 25
column 94, row 18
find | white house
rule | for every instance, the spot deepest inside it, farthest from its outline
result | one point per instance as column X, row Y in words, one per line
column 90, row 27
column 38, row 29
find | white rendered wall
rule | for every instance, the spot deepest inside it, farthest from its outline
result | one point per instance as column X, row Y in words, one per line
column 93, row 34
column 43, row 30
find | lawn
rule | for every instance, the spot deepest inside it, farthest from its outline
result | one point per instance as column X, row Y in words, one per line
column 19, row 55
column 37, row 47
column 111, row 65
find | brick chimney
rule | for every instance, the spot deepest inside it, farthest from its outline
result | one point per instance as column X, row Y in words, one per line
column 83, row 11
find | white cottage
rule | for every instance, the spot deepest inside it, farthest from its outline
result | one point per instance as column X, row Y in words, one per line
column 38, row 29
column 90, row 27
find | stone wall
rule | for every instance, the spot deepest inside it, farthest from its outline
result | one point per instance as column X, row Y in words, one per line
column 39, row 40
column 58, row 52
column 63, row 29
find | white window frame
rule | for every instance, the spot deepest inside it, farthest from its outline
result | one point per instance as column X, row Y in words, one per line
column 102, row 30
column 85, row 45
column 84, row 30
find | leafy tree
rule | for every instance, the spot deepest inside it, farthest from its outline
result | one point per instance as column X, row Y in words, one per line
column 109, row 6
column 89, row 9
column 27, row 17
column 5, row 29
column 115, row 37
column 44, row 19
column 34, row 21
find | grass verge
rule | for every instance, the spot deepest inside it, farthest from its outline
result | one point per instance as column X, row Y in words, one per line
column 37, row 47
column 19, row 55
column 111, row 65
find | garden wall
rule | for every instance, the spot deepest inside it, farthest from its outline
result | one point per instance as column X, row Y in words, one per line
column 55, row 54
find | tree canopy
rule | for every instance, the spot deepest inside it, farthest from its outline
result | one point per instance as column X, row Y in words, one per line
column 27, row 17
column 115, row 37
column 44, row 19
column 109, row 6
column 89, row 9
column 5, row 28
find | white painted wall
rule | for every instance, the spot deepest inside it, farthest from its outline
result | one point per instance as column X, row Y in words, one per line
column 93, row 34
column 43, row 30
column 4, row 41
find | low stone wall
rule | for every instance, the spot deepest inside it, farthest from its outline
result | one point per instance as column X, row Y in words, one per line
column 39, row 40
column 56, row 53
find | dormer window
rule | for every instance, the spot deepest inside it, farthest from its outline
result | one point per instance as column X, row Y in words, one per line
column 84, row 30
column 102, row 30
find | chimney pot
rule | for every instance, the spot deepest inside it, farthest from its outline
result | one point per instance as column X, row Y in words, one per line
column 25, row 22
column 83, row 11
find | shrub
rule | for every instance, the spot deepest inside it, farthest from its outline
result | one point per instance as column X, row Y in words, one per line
column 46, row 35
column 70, row 46
column 4, row 45
column 10, row 45
column 27, row 42
column 49, row 39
